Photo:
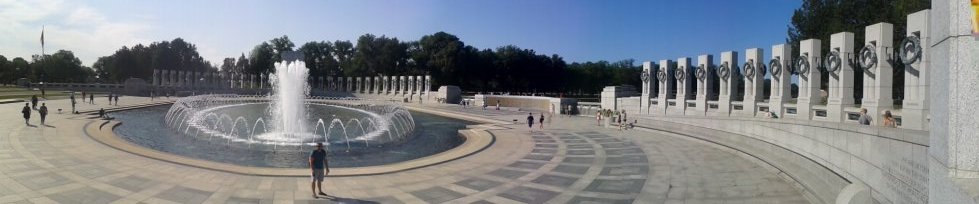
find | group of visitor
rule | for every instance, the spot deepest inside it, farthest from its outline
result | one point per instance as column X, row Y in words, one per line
column 618, row 117
column 530, row 121
column 888, row 119
column 113, row 97
column 43, row 112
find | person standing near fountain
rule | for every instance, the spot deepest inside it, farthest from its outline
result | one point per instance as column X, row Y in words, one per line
column 530, row 121
column 27, row 113
column 319, row 166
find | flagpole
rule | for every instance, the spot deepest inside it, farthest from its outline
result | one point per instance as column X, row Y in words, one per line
column 42, row 41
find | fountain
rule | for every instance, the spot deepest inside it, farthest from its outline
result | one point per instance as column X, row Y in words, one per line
column 290, row 91
column 287, row 110
column 278, row 130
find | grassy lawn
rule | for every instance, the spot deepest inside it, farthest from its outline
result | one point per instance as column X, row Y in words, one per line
column 12, row 92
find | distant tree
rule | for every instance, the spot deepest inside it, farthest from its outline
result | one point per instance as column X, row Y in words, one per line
column 440, row 54
column 7, row 72
column 343, row 52
column 22, row 69
column 242, row 64
column 319, row 58
column 378, row 56
column 228, row 65
column 62, row 66
column 140, row 61
column 279, row 45
column 262, row 59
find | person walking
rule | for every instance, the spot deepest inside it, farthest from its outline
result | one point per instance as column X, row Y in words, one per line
column 864, row 118
column 117, row 99
column 618, row 120
column 889, row 120
column 43, row 112
column 319, row 167
column 91, row 99
column 34, row 102
column 530, row 121
column 110, row 99
column 541, row 121
column 73, row 102
column 83, row 96
column 598, row 117
column 27, row 113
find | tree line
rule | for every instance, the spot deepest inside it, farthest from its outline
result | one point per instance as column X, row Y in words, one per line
column 447, row 59
column 62, row 66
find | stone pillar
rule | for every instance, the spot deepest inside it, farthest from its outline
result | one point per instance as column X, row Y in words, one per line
column 350, row 84
column 411, row 85
column 646, row 77
column 683, row 91
column 165, row 77
column 404, row 85
column 807, row 65
column 156, row 73
column 428, row 86
column 703, row 74
column 198, row 82
column 359, row 84
column 665, row 75
column 384, row 85
column 781, row 78
column 728, row 78
column 840, row 70
column 914, row 112
column 878, row 74
column 953, row 157
column 182, row 77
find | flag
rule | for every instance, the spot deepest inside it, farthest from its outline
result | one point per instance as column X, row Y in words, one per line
column 42, row 36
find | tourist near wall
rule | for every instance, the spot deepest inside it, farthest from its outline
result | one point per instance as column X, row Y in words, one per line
column 814, row 138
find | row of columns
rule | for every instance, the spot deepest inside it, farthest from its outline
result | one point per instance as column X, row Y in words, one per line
column 683, row 88
column 388, row 85
column 403, row 85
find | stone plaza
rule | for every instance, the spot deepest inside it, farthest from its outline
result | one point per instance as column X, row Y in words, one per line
column 697, row 130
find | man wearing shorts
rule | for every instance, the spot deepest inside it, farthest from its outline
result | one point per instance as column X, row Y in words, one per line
column 320, row 167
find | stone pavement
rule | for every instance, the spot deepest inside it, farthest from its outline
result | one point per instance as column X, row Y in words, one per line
column 570, row 161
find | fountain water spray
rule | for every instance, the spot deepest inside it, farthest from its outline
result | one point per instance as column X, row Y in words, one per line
column 289, row 98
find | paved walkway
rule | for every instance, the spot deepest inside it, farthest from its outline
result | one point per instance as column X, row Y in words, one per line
column 571, row 161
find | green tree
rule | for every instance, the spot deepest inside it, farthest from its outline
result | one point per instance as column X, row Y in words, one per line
column 343, row 52
column 241, row 65
column 262, row 59
column 378, row 56
column 7, row 72
column 228, row 64
column 279, row 45
column 62, row 66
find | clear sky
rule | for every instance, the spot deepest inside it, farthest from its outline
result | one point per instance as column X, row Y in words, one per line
column 578, row 30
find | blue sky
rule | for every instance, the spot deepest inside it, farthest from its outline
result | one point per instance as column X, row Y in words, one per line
column 578, row 30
